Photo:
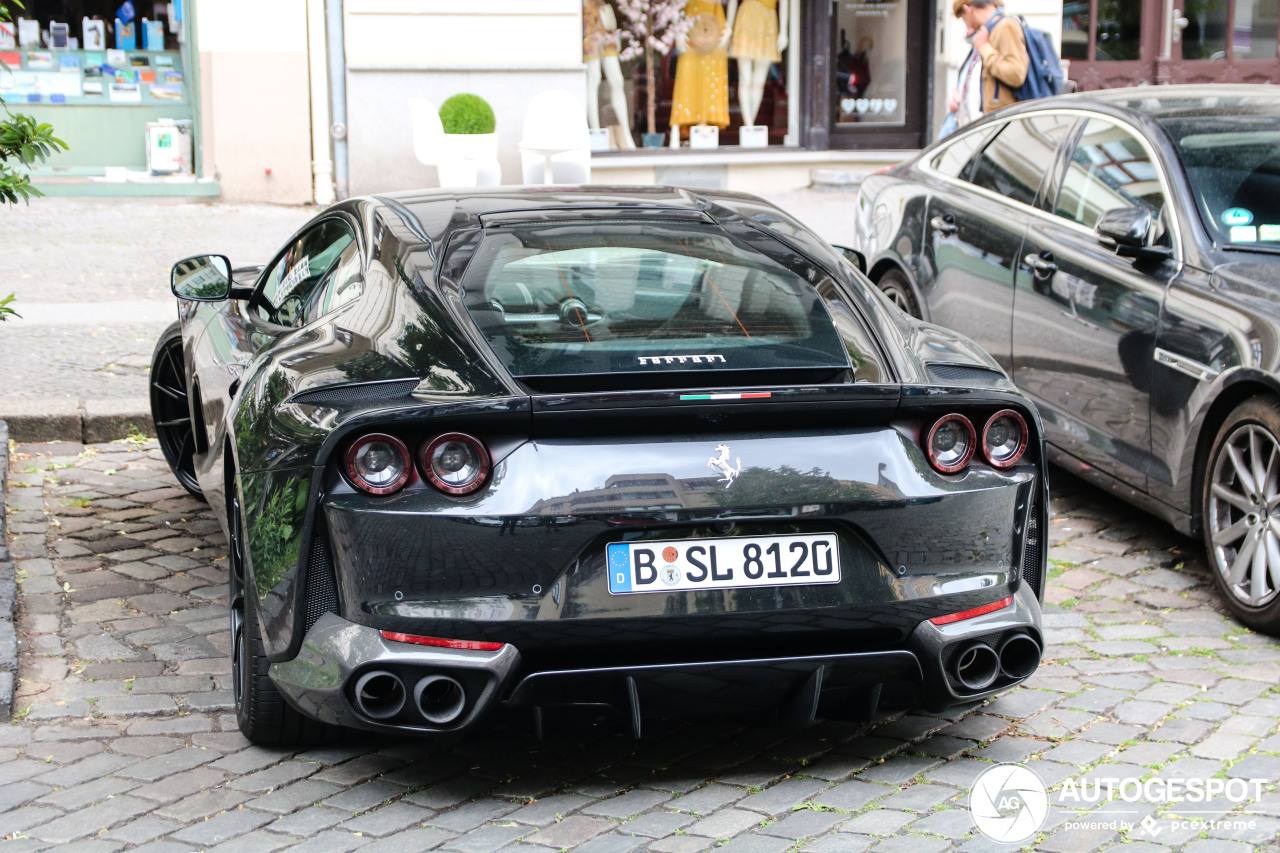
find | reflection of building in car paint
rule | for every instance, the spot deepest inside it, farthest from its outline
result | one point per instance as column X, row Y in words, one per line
column 631, row 493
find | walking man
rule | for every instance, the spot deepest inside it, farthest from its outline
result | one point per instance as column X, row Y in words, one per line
column 1001, row 47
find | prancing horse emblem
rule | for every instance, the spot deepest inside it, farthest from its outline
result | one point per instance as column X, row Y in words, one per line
column 721, row 464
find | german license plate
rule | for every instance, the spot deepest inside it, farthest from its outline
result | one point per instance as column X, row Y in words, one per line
column 741, row 561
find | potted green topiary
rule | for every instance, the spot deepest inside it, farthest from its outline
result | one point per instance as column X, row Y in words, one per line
column 469, row 127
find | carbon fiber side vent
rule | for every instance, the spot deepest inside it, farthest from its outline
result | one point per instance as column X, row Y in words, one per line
column 1031, row 556
column 363, row 392
column 321, row 586
column 959, row 374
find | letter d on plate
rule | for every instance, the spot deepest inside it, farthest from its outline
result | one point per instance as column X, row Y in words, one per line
column 619, row 568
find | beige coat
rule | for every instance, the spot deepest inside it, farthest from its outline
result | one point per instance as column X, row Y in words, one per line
column 1004, row 59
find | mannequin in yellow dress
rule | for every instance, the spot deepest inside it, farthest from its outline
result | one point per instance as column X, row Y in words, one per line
column 759, row 36
column 702, row 71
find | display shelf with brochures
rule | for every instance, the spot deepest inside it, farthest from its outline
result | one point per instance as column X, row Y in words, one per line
column 92, row 77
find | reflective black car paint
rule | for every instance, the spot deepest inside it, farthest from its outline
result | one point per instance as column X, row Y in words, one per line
column 1212, row 306
column 279, row 403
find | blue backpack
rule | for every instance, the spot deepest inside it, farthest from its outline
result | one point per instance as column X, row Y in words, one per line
column 1044, row 69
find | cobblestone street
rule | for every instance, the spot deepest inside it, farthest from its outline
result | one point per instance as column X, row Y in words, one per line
column 124, row 738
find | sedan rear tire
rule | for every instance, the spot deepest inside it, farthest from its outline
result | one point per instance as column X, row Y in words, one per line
column 1240, row 503
column 894, row 285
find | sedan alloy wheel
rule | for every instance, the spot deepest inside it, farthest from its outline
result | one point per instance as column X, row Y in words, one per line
column 1242, row 513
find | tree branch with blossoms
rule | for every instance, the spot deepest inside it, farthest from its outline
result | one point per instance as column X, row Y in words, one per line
column 651, row 27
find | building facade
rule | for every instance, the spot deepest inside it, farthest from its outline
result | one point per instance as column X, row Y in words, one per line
column 303, row 100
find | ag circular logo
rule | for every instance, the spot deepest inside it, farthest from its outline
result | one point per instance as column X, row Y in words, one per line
column 1009, row 803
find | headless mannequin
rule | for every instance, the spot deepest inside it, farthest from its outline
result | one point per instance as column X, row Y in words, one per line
column 612, row 72
column 752, row 73
column 683, row 45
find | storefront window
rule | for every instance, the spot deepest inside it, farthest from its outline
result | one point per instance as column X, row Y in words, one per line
column 1119, row 30
column 871, row 62
column 1076, row 23
column 687, row 72
column 112, row 78
column 1205, row 37
column 1256, row 24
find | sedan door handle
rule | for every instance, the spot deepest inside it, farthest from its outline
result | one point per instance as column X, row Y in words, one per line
column 1043, row 267
column 944, row 225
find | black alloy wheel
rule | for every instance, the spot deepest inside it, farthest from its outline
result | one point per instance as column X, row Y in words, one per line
column 171, row 411
column 894, row 285
column 1240, row 503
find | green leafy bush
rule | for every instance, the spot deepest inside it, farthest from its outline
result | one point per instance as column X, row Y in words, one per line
column 467, row 114
column 23, row 142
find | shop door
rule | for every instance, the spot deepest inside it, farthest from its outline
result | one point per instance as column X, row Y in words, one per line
column 1224, row 41
column 1111, row 43
column 879, row 69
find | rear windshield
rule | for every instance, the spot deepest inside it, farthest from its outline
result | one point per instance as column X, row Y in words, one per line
column 646, row 298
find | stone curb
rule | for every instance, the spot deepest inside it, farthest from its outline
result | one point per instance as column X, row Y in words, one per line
column 84, row 421
column 8, row 593
column 836, row 180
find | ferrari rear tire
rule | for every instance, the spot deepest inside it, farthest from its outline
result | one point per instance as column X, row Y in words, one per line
column 1240, row 505
column 171, row 411
column 894, row 285
column 263, row 715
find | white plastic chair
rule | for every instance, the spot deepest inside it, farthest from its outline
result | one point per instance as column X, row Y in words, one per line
column 433, row 148
column 555, row 147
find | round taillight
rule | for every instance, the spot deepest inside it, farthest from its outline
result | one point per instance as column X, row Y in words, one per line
column 378, row 464
column 950, row 442
column 1004, row 438
column 455, row 463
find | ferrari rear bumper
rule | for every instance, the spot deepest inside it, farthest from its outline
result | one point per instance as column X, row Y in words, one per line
column 352, row 675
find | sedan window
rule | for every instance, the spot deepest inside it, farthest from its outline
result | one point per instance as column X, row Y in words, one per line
column 1109, row 169
column 952, row 159
column 1015, row 163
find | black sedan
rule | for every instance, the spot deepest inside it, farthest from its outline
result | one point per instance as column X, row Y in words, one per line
column 624, row 447
column 1118, row 253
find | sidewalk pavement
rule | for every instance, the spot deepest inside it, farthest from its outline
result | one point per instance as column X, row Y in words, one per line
column 91, row 278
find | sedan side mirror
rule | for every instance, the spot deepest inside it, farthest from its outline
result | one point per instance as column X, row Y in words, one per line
column 202, row 278
column 1129, row 231
column 853, row 256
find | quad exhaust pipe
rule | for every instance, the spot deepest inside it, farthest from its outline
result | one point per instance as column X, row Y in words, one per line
column 1019, row 656
column 439, row 698
column 975, row 666
column 381, row 695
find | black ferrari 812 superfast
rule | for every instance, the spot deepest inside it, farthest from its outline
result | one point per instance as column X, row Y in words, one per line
column 639, row 448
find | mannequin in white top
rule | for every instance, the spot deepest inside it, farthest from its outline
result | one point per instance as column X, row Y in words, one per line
column 759, row 37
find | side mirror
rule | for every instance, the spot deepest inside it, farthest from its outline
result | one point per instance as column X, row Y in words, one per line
column 1129, row 230
column 202, row 278
column 853, row 256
